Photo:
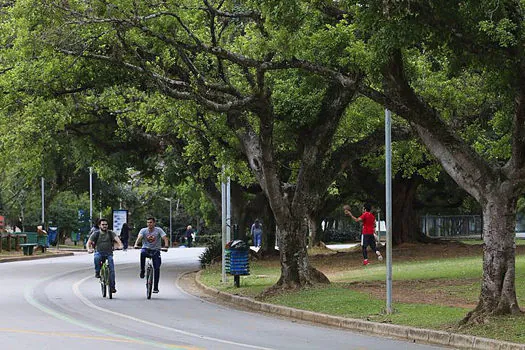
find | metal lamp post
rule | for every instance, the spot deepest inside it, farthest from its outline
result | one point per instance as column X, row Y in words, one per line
column 388, row 189
column 171, row 231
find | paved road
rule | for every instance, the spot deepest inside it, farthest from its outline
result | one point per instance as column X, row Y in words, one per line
column 56, row 304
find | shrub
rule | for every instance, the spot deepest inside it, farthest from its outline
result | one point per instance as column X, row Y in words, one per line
column 212, row 252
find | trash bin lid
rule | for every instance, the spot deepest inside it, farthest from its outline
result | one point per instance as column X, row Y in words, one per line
column 238, row 244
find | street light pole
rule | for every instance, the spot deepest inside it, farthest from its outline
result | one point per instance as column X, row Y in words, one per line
column 43, row 206
column 224, row 279
column 90, row 196
column 171, row 231
column 388, row 190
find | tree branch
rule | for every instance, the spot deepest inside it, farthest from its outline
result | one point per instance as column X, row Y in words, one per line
column 458, row 159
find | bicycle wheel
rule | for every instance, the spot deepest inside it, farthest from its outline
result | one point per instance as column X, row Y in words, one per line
column 149, row 281
column 103, row 280
column 108, row 282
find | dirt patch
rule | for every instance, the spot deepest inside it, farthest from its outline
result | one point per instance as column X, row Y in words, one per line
column 406, row 252
column 431, row 291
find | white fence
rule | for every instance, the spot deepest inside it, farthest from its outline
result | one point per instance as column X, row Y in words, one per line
column 452, row 226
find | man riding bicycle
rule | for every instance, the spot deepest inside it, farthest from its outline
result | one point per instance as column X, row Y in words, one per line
column 103, row 239
column 151, row 245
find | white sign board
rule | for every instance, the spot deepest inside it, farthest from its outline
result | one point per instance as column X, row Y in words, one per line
column 119, row 218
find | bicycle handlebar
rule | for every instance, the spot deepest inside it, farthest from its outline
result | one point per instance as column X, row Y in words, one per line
column 163, row 249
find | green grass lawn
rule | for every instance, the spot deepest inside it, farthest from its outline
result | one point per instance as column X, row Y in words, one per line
column 339, row 299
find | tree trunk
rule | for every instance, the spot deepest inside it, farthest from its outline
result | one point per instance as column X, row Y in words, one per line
column 405, row 223
column 313, row 229
column 269, row 237
column 296, row 270
column 498, row 292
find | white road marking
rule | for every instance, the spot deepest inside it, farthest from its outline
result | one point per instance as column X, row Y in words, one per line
column 77, row 292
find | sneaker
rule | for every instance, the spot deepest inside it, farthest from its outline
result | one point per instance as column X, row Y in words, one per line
column 155, row 291
column 365, row 262
column 379, row 256
column 141, row 274
column 97, row 274
column 113, row 290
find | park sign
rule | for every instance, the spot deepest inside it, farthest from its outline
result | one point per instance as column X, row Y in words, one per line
column 120, row 217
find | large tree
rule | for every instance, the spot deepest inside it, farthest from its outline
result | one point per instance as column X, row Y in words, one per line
column 485, row 49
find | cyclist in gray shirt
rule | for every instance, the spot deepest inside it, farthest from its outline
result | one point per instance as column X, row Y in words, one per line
column 151, row 243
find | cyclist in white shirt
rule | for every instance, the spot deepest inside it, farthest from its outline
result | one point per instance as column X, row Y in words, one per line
column 151, row 244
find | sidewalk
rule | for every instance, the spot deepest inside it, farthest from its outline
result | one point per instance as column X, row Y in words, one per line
column 411, row 334
column 51, row 253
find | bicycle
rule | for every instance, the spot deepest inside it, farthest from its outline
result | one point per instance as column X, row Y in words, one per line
column 105, row 284
column 149, row 273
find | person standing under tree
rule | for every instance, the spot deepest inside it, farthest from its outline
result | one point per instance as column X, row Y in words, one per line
column 124, row 235
column 189, row 233
column 43, row 237
column 256, row 232
column 369, row 223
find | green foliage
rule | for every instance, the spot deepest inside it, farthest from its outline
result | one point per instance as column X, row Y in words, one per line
column 503, row 32
column 212, row 252
column 63, row 212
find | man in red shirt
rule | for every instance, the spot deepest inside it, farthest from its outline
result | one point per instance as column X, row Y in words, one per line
column 369, row 224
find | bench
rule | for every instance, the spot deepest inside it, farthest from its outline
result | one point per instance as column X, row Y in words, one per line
column 28, row 248
column 18, row 236
column 39, row 240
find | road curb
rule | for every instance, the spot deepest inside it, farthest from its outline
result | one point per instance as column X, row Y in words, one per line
column 412, row 334
column 34, row 257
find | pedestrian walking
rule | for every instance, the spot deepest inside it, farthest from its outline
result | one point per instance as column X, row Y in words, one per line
column 256, row 231
column 124, row 235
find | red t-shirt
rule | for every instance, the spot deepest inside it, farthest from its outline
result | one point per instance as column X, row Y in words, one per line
column 369, row 223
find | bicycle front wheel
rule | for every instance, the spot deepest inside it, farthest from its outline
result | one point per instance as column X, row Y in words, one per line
column 103, row 287
column 104, row 280
column 149, row 282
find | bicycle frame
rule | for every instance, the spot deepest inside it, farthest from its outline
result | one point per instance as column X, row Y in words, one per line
column 149, row 273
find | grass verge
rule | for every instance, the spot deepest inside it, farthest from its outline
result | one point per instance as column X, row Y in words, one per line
column 460, row 280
